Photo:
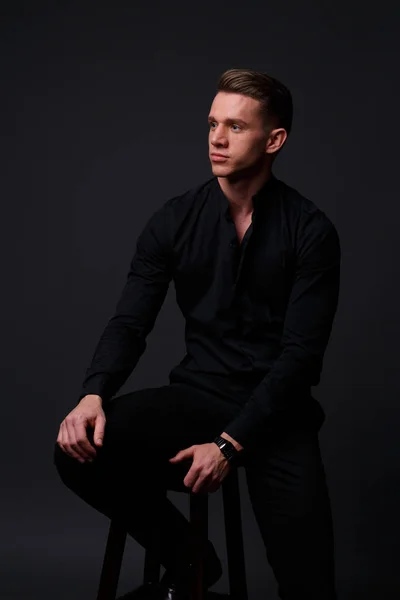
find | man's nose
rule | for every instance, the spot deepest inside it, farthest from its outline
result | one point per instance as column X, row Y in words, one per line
column 218, row 136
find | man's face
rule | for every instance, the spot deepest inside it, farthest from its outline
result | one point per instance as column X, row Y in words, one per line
column 236, row 130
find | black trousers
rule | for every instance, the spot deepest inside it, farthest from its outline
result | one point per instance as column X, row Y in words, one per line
column 285, row 478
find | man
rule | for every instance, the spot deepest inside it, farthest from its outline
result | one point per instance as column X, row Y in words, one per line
column 256, row 271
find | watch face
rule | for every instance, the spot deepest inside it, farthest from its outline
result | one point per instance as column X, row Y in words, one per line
column 225, row 446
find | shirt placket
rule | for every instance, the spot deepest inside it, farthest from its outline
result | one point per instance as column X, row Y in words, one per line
column 239, row 251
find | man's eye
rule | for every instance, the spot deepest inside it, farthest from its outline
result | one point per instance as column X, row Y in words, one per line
column 211, row 124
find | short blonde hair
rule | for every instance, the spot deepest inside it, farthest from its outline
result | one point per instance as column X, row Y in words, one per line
column 275, row 98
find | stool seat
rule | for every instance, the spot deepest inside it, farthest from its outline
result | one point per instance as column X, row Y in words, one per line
column 198, row 505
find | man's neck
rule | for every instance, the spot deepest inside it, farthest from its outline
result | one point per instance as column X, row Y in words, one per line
column 240, row 192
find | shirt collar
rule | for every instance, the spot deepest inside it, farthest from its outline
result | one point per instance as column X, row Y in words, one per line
column 260, row 198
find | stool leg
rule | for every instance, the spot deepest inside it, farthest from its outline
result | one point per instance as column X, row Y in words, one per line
column 234, row 537
column 152, row 558
column 198, row 538
column 112, row 561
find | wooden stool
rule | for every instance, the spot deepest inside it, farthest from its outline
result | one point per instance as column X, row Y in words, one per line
column 198, row 534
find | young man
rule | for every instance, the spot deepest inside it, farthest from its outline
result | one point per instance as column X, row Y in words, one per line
column 256, row 271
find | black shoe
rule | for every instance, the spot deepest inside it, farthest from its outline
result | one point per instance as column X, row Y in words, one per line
column 146, row 591
column 176, row 585
column 156, row 591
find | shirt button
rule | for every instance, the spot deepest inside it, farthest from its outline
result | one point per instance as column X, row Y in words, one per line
column 232, row 245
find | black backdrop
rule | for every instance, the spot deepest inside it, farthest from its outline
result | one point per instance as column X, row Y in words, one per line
column 104, row 109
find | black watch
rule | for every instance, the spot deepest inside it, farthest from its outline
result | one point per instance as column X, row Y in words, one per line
column 227, row 449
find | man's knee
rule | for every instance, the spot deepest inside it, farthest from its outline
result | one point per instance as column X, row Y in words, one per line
column 66, row 466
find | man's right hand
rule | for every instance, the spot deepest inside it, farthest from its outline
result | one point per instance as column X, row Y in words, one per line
column 72, row 437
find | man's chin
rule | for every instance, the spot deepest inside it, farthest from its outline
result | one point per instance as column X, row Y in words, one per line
column 228, row 173
column 221, row 170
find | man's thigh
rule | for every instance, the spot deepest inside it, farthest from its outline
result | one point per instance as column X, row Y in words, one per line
column 151, row 425
column 144, row 429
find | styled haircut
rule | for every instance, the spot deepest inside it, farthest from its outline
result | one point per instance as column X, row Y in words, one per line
column 275, row 98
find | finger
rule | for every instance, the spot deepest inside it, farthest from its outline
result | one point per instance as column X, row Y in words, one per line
column 61, row 437
column 205, row 482
column 99, row 430
column 177, row 458
column 71, row 446
column 201, row 485
column 64, row 441
column 191, row 477
column 85, row 447
column 60, row 440
column 186, row 452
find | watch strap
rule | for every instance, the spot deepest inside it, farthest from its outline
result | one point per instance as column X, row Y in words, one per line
column 227, row 448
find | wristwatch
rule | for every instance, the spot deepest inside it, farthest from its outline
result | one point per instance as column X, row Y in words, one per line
column 227, row 449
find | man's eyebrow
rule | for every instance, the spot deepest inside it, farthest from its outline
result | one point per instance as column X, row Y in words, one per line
column 211, row 118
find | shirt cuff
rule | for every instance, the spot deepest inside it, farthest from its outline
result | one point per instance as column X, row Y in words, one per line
column 249, row 428
column 95, row 385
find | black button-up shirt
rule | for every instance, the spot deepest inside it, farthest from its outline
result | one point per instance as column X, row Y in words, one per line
column 258, row 313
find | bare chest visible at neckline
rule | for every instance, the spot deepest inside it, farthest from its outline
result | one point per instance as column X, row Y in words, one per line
column 241, row 226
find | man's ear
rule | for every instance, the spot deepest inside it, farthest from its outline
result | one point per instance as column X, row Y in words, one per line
column 276, row 139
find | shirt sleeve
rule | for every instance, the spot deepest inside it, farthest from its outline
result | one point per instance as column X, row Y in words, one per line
column 307, row 327
column 123, row 340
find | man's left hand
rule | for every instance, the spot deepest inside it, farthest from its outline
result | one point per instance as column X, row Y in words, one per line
column 209, row 467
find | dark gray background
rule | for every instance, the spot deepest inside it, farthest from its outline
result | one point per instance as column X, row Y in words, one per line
column 104, row 109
